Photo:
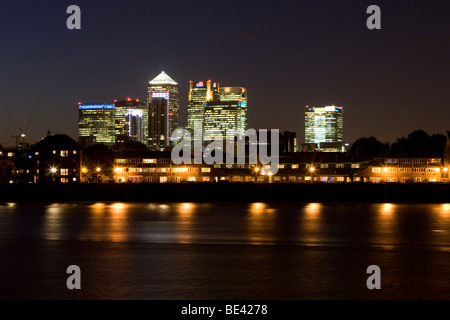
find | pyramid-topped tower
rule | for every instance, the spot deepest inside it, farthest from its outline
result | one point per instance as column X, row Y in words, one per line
column 163, row 78
column 164, row 107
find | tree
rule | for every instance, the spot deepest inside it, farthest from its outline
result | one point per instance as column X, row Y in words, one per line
column 419, row 144
column 368, row 147
column 98, row 156
column 129, row 145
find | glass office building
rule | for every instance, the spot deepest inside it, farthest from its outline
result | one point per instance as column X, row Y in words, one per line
column 199, row 93
column 96, row 124
column 229, row 117
column 157, row 138
column 233, row 94
column 131, row 121
column 165, row 87
column 324, row 124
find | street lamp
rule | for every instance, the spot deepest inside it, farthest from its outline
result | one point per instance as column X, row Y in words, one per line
column 98, row 172
column 84, row 170
column 311, row 170
column 445, row 170
column 256, row 174
column 270, row 174
column 53, row 171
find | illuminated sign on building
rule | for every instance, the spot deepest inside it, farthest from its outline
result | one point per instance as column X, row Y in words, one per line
column 95, row 106
column 164, row 95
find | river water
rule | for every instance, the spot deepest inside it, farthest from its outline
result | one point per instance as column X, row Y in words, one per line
column 256, row 251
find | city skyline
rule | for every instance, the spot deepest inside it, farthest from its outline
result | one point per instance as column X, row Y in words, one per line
column 386, row 79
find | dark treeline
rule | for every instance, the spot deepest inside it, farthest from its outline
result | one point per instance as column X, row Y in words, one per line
column 417, row 144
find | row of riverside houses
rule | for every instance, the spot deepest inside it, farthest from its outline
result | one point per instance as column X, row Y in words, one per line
column 58, row 159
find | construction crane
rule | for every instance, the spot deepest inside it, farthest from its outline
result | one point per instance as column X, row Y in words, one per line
column 21, row 134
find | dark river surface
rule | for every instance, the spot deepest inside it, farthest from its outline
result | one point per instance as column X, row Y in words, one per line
column 255, row 251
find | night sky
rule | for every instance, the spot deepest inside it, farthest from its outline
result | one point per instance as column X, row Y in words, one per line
column 288, row 54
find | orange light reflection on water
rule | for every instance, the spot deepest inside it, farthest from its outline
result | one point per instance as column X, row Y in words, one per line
column 261, row 223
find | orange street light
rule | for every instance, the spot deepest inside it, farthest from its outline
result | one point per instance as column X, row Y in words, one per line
column 98, row 171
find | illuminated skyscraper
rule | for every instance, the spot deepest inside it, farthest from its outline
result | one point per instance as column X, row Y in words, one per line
column 157, row 138
column 96, row 124
column 199, row 93
column 131, row 121
column 288, row 142
column 229, row 117
column 233, row 94
column 324, row 124
column 165, row 87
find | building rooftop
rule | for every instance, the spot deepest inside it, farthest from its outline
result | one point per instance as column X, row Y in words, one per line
column 57, row 140
column 163, row 78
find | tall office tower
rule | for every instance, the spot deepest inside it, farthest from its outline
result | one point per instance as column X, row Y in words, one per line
column 165, row 87
column 229, row 117
column 324, row 124
column 288, row 142
column 237, row 95
column 157, row 137
column 199, row 93
column 233, row 94
column 96, row 124
column 131, row 121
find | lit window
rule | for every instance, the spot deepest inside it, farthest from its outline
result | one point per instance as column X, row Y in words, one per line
column 192, row 179
column 295, row 166
column 149, row 161
column 162, row 179
column 36, row 153
column 64, row 172
column 74, row 152
column 64, row 180
column 64, row 153
column 206, row 169
column 376, row 170
column 54, row 151
column 355, row 165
